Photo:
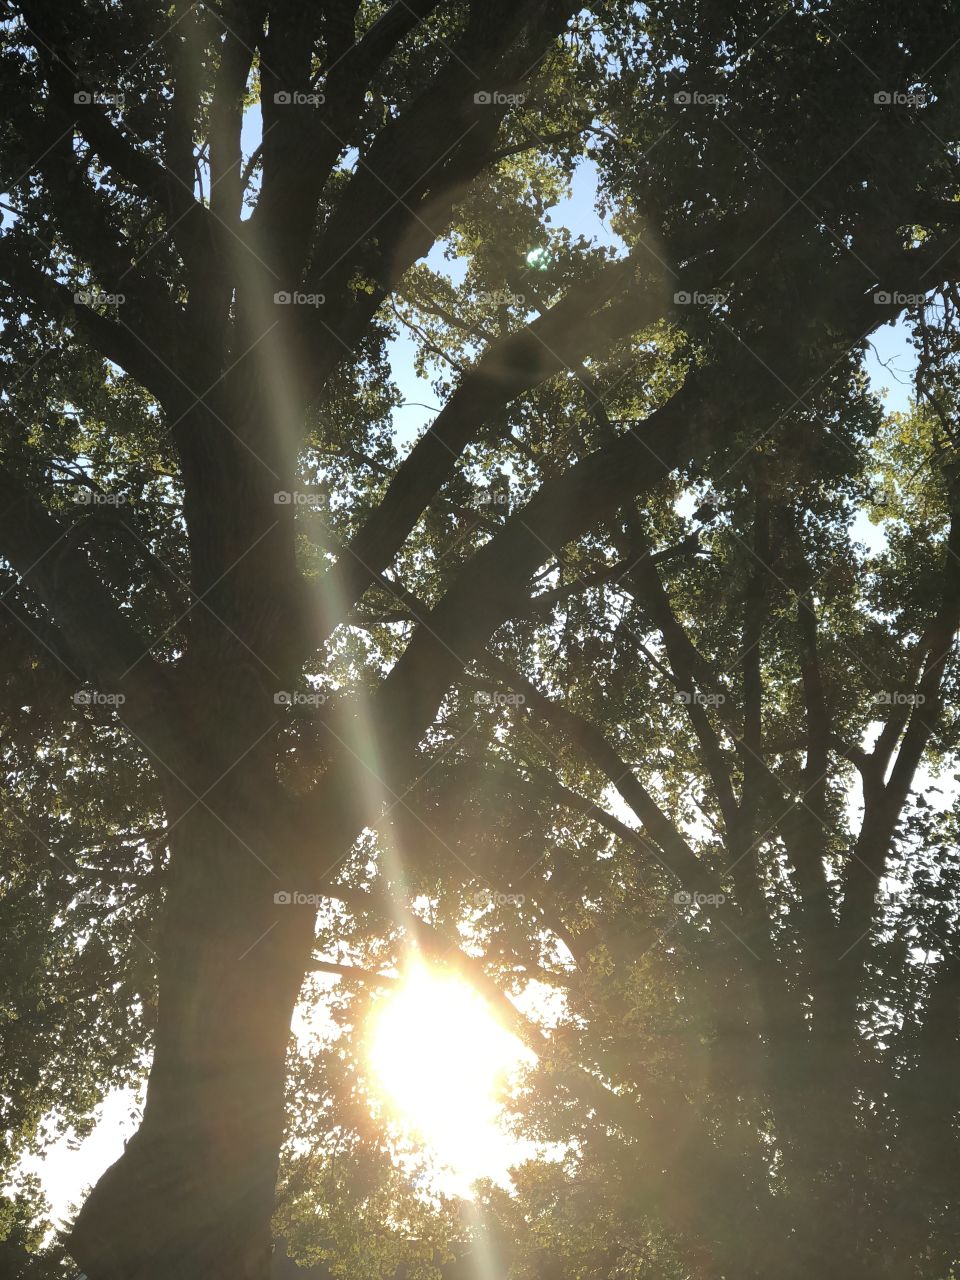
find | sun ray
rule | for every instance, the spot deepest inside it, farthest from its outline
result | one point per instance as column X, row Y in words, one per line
column 440, row 1062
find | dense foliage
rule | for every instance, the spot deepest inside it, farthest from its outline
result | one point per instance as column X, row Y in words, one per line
column 630, row 682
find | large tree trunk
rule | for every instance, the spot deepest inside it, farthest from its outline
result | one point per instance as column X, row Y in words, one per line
column 192, row 1196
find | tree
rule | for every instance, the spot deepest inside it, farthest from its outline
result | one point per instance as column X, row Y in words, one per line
column 240, row 625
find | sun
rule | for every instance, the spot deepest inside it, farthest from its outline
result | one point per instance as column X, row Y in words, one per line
column 440, row 1061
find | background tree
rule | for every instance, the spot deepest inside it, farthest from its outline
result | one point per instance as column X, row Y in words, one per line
column 203, row 512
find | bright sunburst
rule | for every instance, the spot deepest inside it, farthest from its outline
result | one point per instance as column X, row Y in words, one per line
column 439, row 1058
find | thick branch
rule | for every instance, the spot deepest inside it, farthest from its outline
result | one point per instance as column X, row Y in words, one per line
column 113, row 341
column 514, row 365
column 153, row 181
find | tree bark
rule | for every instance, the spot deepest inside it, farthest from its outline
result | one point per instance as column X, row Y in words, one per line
column 193, row 1194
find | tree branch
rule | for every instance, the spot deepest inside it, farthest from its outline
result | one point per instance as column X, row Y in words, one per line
column 883, row 803
column 514, row 365
column 111, row 339
column 102, row 646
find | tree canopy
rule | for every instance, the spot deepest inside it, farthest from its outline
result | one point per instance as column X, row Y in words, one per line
column 626, row 688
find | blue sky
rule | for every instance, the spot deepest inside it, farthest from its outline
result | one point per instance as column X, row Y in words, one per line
column 578, row 212
column 889, row 363
column 890, row 360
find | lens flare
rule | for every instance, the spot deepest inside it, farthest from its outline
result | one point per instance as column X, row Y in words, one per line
column 440, row 1060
